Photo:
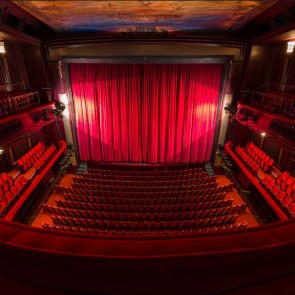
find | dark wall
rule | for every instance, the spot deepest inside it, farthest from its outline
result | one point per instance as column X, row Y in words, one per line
column 291, row 70
column 278, row 63
column 235, row 78
column 15, row 63
column 35, row 67
column 259, row 67
column 57, row 78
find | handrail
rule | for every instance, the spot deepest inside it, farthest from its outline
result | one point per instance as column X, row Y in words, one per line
column 279, row 87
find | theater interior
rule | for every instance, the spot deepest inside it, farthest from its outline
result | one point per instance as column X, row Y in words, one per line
column 147, row 147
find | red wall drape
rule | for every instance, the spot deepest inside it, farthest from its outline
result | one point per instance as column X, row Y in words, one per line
column 145, row 113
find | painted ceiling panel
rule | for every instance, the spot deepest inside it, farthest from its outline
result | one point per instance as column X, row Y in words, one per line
column 122, row 16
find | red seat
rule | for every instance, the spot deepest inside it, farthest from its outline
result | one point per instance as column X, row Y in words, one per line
column 290, row 180
column 7, row 178
column 3, row 202
column 291, row 208
column 9, row 195
column 5, row 187
column 281, row 195
column 20, row 185
column 286, row 201
column 23, row 180
column 275, row 189
column 270, row 184
column 15, row 190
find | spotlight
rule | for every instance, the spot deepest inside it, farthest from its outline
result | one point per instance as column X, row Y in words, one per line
column 231, row 110
column 59, row 108
column 263, row 134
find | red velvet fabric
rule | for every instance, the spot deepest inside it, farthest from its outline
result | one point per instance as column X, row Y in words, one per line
column 145, row 113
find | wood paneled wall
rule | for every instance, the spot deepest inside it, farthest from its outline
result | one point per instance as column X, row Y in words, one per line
column 266, row 64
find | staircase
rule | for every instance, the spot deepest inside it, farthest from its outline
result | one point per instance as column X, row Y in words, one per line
column 208, row 168
column 82, row 168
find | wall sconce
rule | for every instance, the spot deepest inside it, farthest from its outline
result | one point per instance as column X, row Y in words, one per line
column 263, row 134
column 59, row 108
column 290, row 47
column 63, row 98
column 2, row 47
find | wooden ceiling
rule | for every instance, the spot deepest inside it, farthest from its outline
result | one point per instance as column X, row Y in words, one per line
column 145, row 16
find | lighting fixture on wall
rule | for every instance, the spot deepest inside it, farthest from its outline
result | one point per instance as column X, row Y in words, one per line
column 63, row 98
column 290, row 47
column 263, row 134
column 59, row 108
column 2, row 47
column 231, row 110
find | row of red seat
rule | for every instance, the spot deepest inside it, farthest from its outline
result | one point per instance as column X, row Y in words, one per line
column 146, row 188
column 146, row 173
column 145, row 225
column 144, row 200
column 28, row 159
column 89, row 230
column 9, row 196
column 285, row 198
column 286, row 181
column 140, row 191
column 45, row 158
column 278, row 186
column 146, row 183
column 211, row 187
column 259, row 156
column 80, row 213
column 6, row 182
column 143, row 208
column 247, row 160
column 146, row 177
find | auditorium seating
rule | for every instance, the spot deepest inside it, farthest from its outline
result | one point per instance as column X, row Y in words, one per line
column 10, row 190
column 247, row 160
column 28, row 159
column 143, row 202
column 124, row 191
column 282, row 188
column 144, row 173
column 45, row 158
column 261, row 158
column 93, row 230
column 38, row 156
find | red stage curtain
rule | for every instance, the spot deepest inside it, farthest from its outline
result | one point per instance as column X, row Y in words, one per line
column 145, row 113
